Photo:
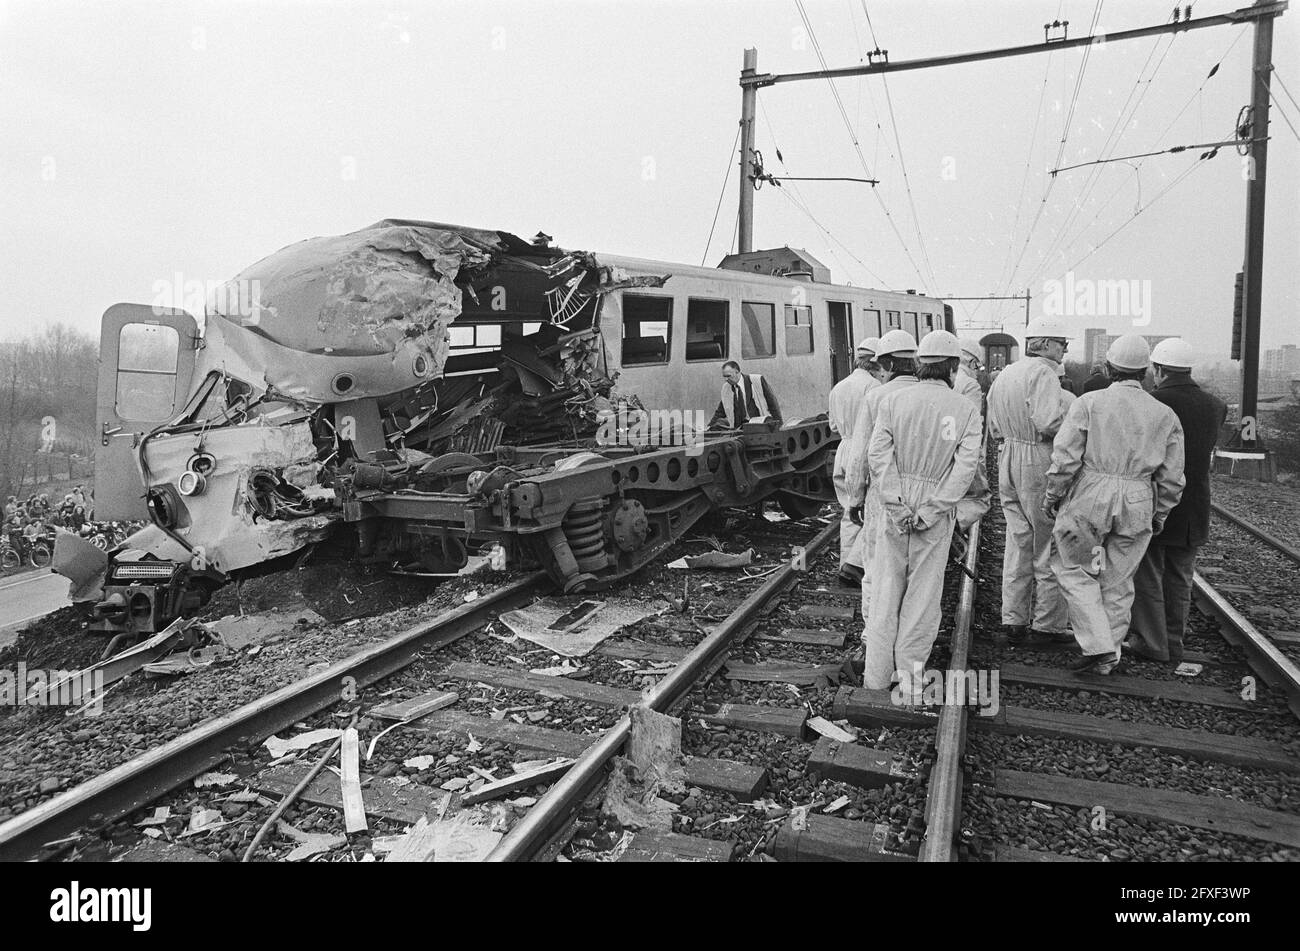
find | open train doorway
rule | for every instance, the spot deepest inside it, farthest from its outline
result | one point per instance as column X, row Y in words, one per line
column 841, row 342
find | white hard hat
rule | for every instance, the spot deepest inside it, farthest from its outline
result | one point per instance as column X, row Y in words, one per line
column 938, row 345
column 1129, row 352
column 1053, row 328
column 1174, row 353
column 869, row 344
column 972, row 346
column 898, row 343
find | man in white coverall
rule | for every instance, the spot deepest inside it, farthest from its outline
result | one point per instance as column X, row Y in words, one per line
column 1117, row 471
column 967, row 384
column 1025, row 408
column 923, row 454
column 895, row 354
column 845, row 399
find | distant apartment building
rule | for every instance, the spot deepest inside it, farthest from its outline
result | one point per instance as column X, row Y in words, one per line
column 1284, row 362
column 1096, row 341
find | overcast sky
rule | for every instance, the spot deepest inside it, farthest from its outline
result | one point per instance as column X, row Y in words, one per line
column 146, row 140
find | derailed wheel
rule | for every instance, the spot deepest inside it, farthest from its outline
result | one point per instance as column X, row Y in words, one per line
column 796, row 507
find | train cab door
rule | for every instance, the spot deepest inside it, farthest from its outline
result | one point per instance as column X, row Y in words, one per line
column 146, row 362
column 841, row 340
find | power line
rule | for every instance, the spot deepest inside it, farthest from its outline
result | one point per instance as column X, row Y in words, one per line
column 1280, row 111
column 1170, row 151
column 1024, row 181
column 1278, row 77
column 902, row 162
column 1191, row 168
column 1070, row 242
column 1112, row 141
column 812, row 35
column 825, row 231
column 725, row 178
column 1065, row 135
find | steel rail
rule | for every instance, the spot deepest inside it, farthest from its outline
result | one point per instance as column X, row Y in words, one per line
column 545, row 820
column 1264, row 658
column 143, row 779
column 1271, row 540
column 943, row 798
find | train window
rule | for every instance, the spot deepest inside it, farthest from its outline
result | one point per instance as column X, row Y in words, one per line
column 927, row 322
column 706, row 329
column 798, row 330
column 531, row 327
column 757, row 330
column 474, row 338
column 147, row 356
column 647, row 329
column 894, row 320
column 873, row 327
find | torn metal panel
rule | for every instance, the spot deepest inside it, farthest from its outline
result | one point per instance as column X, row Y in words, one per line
column 372, row 305
column 237, row 519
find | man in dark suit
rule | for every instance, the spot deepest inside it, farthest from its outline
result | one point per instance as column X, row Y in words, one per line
column 744, row 396
column 1164, row 579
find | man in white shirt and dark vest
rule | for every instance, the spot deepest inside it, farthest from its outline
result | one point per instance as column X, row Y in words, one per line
column 744, row 396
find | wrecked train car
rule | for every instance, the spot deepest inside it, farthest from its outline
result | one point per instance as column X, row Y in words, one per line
column 418, row 390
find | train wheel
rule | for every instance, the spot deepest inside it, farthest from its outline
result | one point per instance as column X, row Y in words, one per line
column 40, row 556
column 796, row 507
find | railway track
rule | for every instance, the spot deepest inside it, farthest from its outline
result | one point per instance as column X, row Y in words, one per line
column 1145, row 765
column 1051, row 767
column 406, row 663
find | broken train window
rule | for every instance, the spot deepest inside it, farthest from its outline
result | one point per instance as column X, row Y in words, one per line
column 647, row 329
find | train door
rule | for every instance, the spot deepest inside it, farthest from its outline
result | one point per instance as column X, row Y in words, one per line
column 146, row 361
column 841, row 339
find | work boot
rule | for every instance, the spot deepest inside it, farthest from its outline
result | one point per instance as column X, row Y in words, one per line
column 1048, row 641
column 1138, row 649
column 850, row 576
column 1101, row 664
column 1012, row 635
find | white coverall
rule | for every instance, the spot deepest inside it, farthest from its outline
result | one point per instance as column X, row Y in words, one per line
column 966, row 385
column 845, row 400
column 1117, row 467
column 923, row 454
column 857, row 478
column 1026, row 406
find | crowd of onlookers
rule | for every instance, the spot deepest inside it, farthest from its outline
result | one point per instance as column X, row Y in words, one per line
column 27, row 522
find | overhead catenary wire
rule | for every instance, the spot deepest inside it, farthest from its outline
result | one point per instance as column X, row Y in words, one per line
column 1169, row 151
column 902, row 162
column 1060, row 243
column 1065, row 133
column 1096, row 216
column 1024, row 181
column 812, row 36
column 731, row 158
column 1278, row 77
column 1200, row 161
column 802, row 204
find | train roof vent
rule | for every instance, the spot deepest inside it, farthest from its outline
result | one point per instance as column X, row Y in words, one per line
column 794, row 263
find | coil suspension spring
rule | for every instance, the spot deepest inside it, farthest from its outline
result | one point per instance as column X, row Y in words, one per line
column 584, row 530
